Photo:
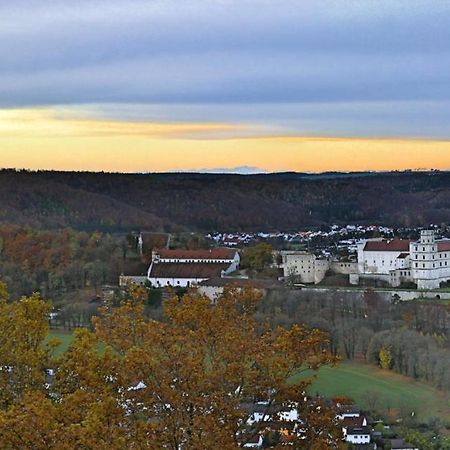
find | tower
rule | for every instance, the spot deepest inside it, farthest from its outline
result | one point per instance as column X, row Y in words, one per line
column 424, row 261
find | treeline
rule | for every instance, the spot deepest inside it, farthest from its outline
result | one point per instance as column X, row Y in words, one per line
column 411, row 338
column 410, row 353
column 206, row 202
column 57, row 262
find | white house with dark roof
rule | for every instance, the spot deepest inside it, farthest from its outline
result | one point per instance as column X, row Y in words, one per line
column 186, row 268
column 358, row 435
column 425, row 262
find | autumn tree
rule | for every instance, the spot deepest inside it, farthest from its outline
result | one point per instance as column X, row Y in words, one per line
column 257, row 257
column 186, row 382
column 385, row 358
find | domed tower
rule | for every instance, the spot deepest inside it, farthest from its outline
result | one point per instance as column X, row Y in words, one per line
column 424, row 261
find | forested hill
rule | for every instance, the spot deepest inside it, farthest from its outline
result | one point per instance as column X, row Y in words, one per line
column 177, row 201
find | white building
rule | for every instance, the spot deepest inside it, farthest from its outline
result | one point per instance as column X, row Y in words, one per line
column 186, row 268
column 358, row 435
column 306, row 267
column 425, row 262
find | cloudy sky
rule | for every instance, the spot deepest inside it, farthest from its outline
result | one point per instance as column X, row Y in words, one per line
column 156, row 85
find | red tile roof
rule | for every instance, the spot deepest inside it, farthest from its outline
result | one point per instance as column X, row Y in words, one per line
column 187, row 270
column 443, row 246
column 393, row 245
column 213, row 253
column 355, row 422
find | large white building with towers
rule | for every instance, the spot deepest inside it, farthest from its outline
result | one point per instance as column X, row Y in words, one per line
column 425, row 262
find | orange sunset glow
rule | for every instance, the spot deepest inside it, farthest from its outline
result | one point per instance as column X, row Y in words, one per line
column 41, row 139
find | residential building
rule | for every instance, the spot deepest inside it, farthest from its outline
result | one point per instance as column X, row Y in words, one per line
column 358, row 435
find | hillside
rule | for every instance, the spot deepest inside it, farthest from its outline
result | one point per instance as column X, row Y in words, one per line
column 172, row 201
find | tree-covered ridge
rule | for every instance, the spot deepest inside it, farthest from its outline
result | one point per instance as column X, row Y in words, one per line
column 221, row 202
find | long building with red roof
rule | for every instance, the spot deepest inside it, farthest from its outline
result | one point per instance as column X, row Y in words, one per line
column 184, row 268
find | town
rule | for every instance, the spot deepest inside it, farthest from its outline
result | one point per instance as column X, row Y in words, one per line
column 310, row 257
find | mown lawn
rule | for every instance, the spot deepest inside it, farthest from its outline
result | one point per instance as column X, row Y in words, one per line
column 393, row 390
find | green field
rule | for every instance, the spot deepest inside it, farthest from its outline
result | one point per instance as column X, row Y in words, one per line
column 354, row 380
column 393, row 390
column 66, row 337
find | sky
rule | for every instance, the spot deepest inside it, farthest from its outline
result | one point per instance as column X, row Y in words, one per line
column 238, row 85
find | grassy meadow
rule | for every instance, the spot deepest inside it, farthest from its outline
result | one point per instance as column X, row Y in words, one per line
column 392, row 391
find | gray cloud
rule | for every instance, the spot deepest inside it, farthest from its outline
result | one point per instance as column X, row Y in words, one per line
column 237, row 52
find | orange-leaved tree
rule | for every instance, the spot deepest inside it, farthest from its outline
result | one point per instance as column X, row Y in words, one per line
column 190, row 381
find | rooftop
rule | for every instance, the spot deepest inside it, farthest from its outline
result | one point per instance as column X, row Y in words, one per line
column 212, row 253
column 187, row 270
column 392, row 245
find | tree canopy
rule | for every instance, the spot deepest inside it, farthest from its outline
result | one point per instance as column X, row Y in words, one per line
column 186, row 382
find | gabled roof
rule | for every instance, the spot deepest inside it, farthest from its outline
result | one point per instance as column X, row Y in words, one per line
column 187, row 270
column 212, row 253
column 392, row 245
column 353, row 422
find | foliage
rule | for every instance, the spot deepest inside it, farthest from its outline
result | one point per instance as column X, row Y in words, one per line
column 55, row 262
column 385, row 358
column 23, row 328
column 359, row 325
column 179, row 383
column 257, row 257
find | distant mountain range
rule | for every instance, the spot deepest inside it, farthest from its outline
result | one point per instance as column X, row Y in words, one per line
column 222, row 202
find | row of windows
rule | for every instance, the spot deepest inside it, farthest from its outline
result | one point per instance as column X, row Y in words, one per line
column 434, row 264
column 441, row 255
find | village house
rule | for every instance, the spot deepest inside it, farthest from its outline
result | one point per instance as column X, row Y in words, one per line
column 358, row 435
column 185, row 268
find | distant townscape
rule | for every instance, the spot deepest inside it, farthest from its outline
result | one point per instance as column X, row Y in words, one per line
column 385, row 261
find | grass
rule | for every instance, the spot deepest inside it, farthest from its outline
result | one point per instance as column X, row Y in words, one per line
column 353, row 379
column 66, row 337
column 393, row 390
